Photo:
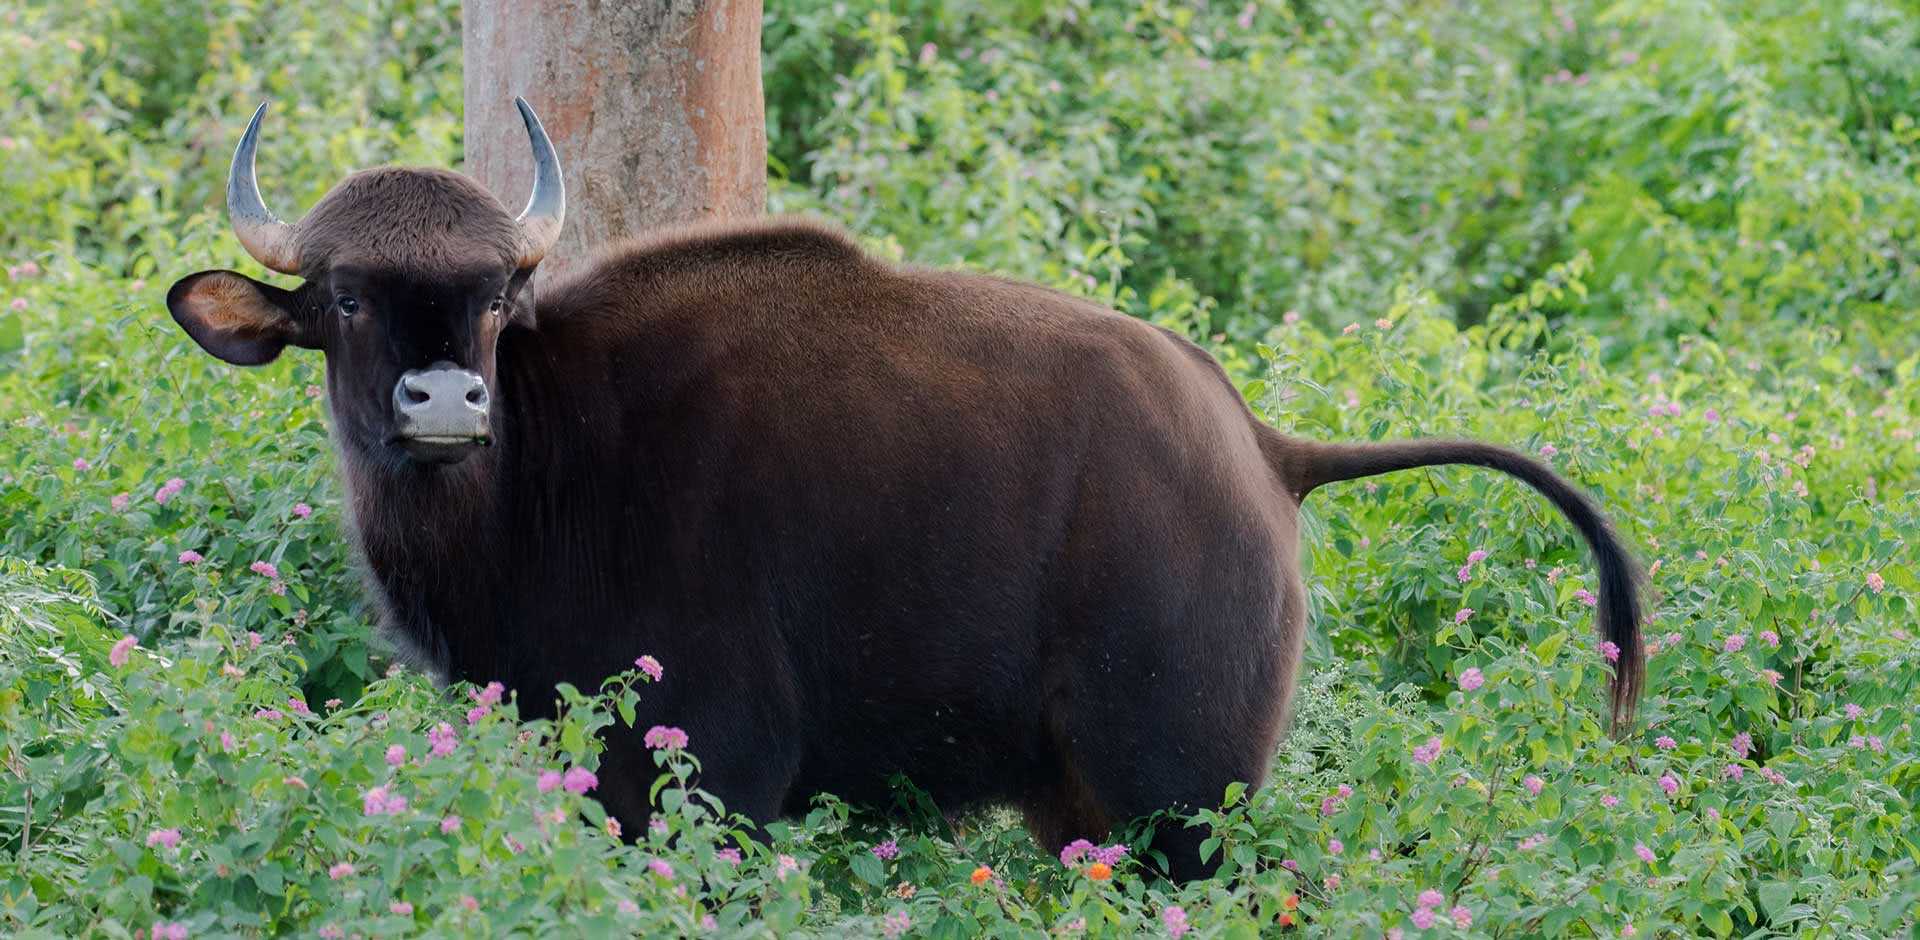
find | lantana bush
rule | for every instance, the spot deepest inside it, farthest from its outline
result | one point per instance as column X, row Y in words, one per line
column 1666, row 247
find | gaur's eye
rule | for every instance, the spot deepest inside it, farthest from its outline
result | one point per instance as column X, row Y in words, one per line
column 347, row 305
column 498, row 306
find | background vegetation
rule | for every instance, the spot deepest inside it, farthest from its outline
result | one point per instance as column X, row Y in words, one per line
column 1670, row 244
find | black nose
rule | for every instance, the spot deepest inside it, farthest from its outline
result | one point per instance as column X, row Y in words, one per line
column 440, row 407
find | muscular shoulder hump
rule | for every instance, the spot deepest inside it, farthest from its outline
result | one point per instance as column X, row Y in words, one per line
column 698, row 255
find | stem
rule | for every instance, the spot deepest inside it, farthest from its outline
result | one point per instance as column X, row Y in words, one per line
column 1473, row 863
column 26, row 819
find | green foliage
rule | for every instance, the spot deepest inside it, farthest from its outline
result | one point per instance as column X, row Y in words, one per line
column 1667, row 245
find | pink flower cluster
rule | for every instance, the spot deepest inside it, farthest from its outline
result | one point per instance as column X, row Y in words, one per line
column 169, row 490
column 784, row 866
column 441, row 740
column 1424, row 754
column 1471, row 679
column 122, row 648
column 1424, row 915
column 1742, row 744
column 896, row 923
column 1074, row 851
column 1329, row 805
column 191, row 557
column 1465, row 573
column 302, row 510
column 662, row 737
column 264, row 569
column 164, row 838
column 1870, row 741
column 1175, row 920
column 379, row 801
column 650, row 666
column 163, row 930
column 886, row 851
column 1610, row 650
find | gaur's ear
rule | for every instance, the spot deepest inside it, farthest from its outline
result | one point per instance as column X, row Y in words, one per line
column 235, row 317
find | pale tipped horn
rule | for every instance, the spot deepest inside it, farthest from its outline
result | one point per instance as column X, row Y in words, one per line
column 270, row 241
column 547, row 206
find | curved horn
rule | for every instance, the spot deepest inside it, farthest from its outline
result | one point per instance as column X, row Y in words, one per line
column 270, row 241
column 547, row 206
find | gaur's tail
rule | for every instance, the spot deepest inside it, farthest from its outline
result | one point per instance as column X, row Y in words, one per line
column 1306, row 465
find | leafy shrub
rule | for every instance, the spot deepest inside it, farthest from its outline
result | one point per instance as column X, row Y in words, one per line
column 1680, row 271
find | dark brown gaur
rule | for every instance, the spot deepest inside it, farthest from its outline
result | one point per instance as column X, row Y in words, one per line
column 873, row 519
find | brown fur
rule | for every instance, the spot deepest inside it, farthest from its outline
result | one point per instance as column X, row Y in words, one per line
column 873, row 519
column 412, row 220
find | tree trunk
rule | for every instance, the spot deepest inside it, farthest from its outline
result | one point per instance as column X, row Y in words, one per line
column 653, row 105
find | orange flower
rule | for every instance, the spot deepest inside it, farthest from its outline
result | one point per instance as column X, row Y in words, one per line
column 1286, row 920
column 1291, row 902
column 1100, row 871
column 981, row 874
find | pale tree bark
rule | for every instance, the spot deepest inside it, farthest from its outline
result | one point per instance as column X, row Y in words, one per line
column 654, row 106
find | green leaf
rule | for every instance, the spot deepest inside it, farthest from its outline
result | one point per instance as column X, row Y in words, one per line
column 868, row 868
column 1775, row 896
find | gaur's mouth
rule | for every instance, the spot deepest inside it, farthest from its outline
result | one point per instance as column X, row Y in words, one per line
column 440, row 448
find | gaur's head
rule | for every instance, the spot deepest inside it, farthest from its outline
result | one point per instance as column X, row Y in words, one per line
column 408, row 278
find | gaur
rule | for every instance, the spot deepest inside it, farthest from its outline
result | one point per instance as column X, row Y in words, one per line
column 872, row 518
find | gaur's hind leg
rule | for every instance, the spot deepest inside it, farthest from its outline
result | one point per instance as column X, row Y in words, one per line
column 1139, row 761
column 1063, row 808
column 1164, row 716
